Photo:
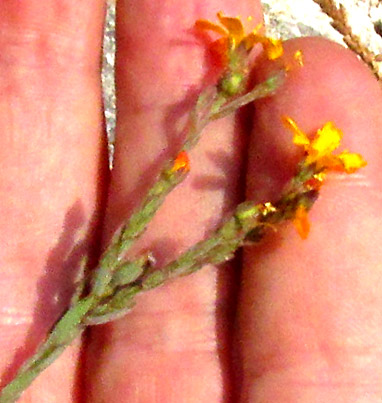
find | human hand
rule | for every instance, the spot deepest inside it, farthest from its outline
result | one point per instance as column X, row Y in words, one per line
column 297, row 321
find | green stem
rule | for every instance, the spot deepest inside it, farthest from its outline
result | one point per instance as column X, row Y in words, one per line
column 134, row 228
column 210, row 106
column 260, row 91
column 220, row 247
column 113, row 301
column 65, row 331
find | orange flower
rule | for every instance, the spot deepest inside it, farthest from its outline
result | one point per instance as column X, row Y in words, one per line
column 181, row 162
column 301, row 221
column 233, row 36
column 320, row 149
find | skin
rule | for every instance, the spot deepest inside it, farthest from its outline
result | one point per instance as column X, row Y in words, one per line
column 294, row 321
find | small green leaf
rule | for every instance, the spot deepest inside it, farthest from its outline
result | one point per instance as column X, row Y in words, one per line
column 153, row 280
column 128, row 272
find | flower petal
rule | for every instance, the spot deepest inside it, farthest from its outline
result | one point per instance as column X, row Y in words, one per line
column 219, row 51
column 206, row 25
column 299, row 137
column 301, row 222
column 234, row 27
column 182, row 162
column 325, row 142
column 272, row 47
column 326, row 162
column 251, row 39
column 351, row 161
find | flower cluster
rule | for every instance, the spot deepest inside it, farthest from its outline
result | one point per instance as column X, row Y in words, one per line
column 320, row 157
column 319, row 150
column 234, row 37
column 233, row 47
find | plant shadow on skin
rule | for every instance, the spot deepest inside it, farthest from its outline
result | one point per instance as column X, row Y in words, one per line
column 56, row 286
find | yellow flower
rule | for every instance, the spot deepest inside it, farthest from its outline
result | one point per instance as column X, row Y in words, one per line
column 273, row 47
column 320, row 149
column 233, row 36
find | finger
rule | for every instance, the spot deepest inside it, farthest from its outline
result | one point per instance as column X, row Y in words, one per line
column 310, row 318
column 172, row 341
column 51, row 157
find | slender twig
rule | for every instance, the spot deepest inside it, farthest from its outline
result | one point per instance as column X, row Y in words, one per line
column 110, row 291
column 340, row 23
column 118, row 280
